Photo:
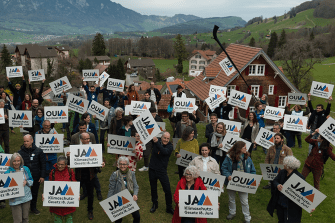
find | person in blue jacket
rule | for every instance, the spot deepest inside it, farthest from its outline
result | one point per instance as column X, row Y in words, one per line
column 237, row 159
column 92, row 94
column 90, row 126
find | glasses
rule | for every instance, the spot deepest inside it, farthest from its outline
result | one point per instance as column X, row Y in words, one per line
column 123, row 164
column 86, row 138
column 46, row 125
column 184, row 116
column 60, row 164
column 188, row 175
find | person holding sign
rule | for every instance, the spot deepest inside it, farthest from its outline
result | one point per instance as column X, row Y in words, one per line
column 215, row 140
column 147, row 99
column 179, row 93
column 223, row 110
column 238, row 159
column 105, row 124
column 4, row 128
column 90, row 127
column 37, row 93
column 190, row 181
column 287, row 210
column 124, row 179
column 319, row 155
column 92, row 94
column 18, row 93
column 20, row 205
column 205, row 162
column 183, row 123
column 188, row 143
column 250, row 128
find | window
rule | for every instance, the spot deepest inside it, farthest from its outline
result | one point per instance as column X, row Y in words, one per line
column 229, row 88
column 255, row 90
column 202, row 62
column 194, row 61
column 198, row 56
column 208, row 62
column 257, row 70
column 201, row 67
column 193, row 67
column 271, row 89
column 282, row 101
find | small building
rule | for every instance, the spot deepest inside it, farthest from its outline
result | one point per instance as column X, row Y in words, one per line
column 198, row 60
column 63, row 51
column 143, row 66
column 102, row 60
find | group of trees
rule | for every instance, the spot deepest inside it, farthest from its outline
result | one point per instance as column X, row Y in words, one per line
column 6, row 60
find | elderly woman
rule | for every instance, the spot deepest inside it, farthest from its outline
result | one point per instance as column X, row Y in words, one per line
column 62, row 173
column 287, row 210
column 20, row 205
column 205, row 162
column 190, row 181
column 188, row 143
column 216, row 138
column 122, row 179
column 116, row 122
column 238, row 159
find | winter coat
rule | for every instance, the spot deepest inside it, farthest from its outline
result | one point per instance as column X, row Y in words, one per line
column 198, row 185
column 132, row 96
column 322, row 115
column 105, row 124
column 34, row 159
column 115, row 184
column 157, row 94
column 212, row 165
column 27, row 192
column 107, row 94
column 225, row 111
column 259, row 118
column 26, row 103
column 17, row 93
column 271, row 154
column 112, row 128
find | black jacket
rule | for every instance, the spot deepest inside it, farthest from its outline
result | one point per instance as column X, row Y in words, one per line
column 294, row 211
column 34, row 159
column 322, row 116
column 177, row 118
column 160, row 156
column 17, row 93
column 209, row 130
column 38, row 96
column 225, row 111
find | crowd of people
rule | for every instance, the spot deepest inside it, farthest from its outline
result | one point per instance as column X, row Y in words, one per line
column 83, row 129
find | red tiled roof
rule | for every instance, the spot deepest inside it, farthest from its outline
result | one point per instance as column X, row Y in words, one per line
column 240, row 54
column 164, row 102
column 176, row 82
column 205, row 54
column 101, row 68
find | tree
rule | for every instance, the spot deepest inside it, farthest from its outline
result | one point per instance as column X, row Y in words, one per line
column 120, row 69
column 88, row 64
column 98, row 45
column 158, row 75
column 50, row 68
column 81, row 65
column 282, row 39
column 252, row 42
column 311, row 37
column 272, row 45
column 298, row 59
column 180, row 52
column 6, row 59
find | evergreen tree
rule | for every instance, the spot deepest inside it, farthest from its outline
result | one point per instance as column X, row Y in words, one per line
column 252, row 42
column 88, row 64
column 98, row 45
column 81, row 65
column 272, row 45
column 121, row 70
column 180, row 52
column 282, row 39
column 311, row 37
column 158, row 75
column 6, row 59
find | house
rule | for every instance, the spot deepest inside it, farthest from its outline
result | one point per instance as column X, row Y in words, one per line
column 63, row 51
column 200, row 59
column 102, row 60
column 259, row 71
column 171, row 87
column 145, row 67
column 101, row 68
column 19, row 52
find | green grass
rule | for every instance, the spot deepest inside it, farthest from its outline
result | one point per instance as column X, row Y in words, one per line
column 164, row 64
column 257, row 202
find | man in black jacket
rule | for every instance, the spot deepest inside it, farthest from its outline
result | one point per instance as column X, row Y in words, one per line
column 211, row 126
column 161, row 152
column 18, row 93
column 223, row 110
column 4, row 128
column 34, row 159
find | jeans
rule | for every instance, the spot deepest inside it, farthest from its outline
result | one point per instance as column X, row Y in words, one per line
column 34, row 193
column 136, row 216
column 4, row 136
column 164, row 179
column 20, row 212
column 244, row 202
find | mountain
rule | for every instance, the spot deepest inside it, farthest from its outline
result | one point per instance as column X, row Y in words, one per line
column 203, row 25
column 79, row 16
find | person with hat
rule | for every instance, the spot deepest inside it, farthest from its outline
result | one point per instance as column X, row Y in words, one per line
column 18, row 93
column 179, row 93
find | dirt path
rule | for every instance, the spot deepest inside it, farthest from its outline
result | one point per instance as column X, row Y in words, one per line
column 310, row 20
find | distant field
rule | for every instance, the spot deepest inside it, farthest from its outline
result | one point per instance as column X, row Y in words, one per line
column 164, row 64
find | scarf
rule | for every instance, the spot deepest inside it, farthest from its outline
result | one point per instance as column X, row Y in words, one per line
column 187, row 123
column 240, row 166
column 214, row 141
column 129, row 180
column 39, row 121
column 263, row 102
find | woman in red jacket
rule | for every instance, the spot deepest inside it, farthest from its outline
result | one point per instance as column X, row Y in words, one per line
column 190, row 181
column 26, row 104
column 62, row 173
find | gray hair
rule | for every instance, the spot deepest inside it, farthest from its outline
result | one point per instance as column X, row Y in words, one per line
column 61, row 158
column 45, row 122
column 192, row 170
column 14, row 156
column 119, row 109
column 31, row 137
column 122, row 159
column 276, row 124
column 291, row 162
column 81, row 135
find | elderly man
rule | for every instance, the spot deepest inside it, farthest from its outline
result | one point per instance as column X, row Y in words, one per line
column 86, row 176
column 4, row 128
column 277, row 153
column 33, row 158
column 160, row 156
column 18, row 93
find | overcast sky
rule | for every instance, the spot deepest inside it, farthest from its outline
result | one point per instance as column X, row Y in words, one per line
column 247, row 9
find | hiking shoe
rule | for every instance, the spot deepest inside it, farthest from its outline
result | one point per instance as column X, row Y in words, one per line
column 267, row 187
column 144, row 169
column 231, row 216
column 90, row 215
column 35, row 211
column 99, row 196
column 82, row 197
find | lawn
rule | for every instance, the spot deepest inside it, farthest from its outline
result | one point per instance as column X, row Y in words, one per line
column 257, row 202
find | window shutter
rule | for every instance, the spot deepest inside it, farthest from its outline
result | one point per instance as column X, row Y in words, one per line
column 266, row 72
column 247, row 71
column 247, row 112
column 275, row 90
column 237, row 88
column 277, row 101
column 260, row 91
column 249, row 90
column 235, row 113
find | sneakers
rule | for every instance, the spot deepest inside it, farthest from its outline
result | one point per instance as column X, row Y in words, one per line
column 143, row 169
column 267, row 187
column 99, row 196
column 231, row 216
column 35, row 211
column 90, row 215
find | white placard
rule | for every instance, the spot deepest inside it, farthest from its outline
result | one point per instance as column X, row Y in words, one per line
column 80, row 94
column 231, row 126
column 89, row 155
column 66, row 149
column 20, row 117
column 273, row 113
column 115, row 84
column 175, row 142
column 4, row 162
column 56, row 98
column 2, row 116
column 122, row 145
column 16, row 71
column 184, row 104
column 227, row 66
column 138, row 107
column 297, row 98
column 146, row 126
column 77, row 104
column 61, row 194
column 321, row 90
column 230, row 139
column 198, row 204
column 161, row 126
column 214, row 100
column 244, row 182
column 12, row 185
column 295, row 123
column 302, row 193
column 213, row 182
column 36, row 75
column 98, row 110
column 327, row 130
column 270, row 171
column 103, row 78
column 265, row 138
column 50, row 143
column 60, row 85
column 239, row 99
column 186, row 158
column 119, row 205
column 56, row 114
column 128, row 109
column 214, row 88
column 91, row 75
